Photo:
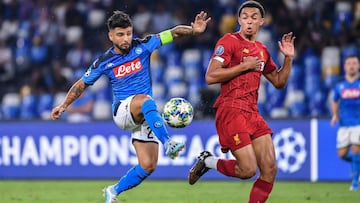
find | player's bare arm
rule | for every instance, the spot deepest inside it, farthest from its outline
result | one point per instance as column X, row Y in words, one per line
column 197, row 27
column 75, row 91
column 217, row 73
column 335, row 113
column 280, row 77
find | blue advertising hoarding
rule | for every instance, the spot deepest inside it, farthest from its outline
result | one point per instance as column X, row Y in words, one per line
column 330, row 167
column 292, row 146
column 100, row 150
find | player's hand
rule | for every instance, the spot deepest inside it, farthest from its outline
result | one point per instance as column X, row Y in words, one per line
column 251, row 63
column 56, row 112
column 200, row 23
column 286, row 45
column 334, row 119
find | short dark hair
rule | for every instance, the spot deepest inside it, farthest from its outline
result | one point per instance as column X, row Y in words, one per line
column 252, row 4
column 351, row 56
column 119, row 19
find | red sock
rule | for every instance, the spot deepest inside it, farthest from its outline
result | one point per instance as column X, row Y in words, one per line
column 260, row 191
column 226, row 167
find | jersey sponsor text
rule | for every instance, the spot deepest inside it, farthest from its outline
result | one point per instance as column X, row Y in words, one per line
column 127, row 68
column 350, row 93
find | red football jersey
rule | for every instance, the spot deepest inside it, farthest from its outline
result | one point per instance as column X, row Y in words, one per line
column 242, row 91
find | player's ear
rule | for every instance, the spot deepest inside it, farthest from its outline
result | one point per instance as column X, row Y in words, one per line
column 110, row 35
column 262, row 20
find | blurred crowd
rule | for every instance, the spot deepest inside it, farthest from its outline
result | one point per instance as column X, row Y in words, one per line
column 46, row 45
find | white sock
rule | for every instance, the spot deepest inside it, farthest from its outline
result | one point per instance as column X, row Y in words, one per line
column 211, row 162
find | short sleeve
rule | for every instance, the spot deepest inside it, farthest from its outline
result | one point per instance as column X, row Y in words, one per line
column 151, row 42
column 270, row 65
column 336, row 93
column 92, row 74
column 223, row 50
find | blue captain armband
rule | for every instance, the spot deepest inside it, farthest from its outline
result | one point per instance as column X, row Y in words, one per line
column 166, row 37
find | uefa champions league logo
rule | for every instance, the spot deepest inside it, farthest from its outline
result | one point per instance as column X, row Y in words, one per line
column 290, row 150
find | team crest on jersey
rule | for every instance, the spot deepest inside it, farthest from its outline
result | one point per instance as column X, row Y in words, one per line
column 246, row 50
column 219, row 50
column 127, row 68
column 138, row 50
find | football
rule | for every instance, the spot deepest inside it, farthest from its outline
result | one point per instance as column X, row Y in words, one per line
column 178, row 112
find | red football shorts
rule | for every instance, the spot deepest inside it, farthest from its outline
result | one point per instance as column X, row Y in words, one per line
column 237, row 128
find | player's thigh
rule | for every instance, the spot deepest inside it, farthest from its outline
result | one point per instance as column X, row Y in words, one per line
column 343, row 138
column 265, row 154
column 355, row 139
column 245, row 157
column 122, row 116
column 136, row 107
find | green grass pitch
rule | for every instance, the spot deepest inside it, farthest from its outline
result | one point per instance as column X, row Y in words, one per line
column 151, row 191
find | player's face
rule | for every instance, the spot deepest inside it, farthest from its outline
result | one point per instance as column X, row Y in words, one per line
column 352, row 66
column 250, row 20
column 121, row 38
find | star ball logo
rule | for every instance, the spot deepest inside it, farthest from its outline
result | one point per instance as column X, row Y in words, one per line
column 290, row 149
column 157, row 124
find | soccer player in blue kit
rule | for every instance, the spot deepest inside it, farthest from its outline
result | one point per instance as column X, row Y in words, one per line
column 346, row 109
column 127, row 65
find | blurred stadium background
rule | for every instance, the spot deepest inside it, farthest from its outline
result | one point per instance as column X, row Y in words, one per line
column 45, row 45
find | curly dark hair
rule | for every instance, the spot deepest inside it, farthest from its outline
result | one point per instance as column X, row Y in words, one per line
column 119, row 19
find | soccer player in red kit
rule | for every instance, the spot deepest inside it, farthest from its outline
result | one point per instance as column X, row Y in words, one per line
column 238, row 63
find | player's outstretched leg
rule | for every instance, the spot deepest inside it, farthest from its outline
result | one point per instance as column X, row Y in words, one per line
column 157, row 125
column 199, row 168
column 173, row 148
column 155, row 121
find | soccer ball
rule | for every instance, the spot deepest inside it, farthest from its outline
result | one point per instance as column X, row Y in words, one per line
column 178, row 112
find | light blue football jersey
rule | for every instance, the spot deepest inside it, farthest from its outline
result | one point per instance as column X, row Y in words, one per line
column 348, row 96
column 129, row 74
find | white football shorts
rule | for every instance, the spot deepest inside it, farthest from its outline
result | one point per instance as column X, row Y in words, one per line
column 347, row 136
column 124, row 120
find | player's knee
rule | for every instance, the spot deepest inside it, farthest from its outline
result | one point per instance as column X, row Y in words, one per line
column 143, row 97
column 342, row 154
column 148, row 166
column 273, row 170
column 139, row 100
column 246, row 172
column 269, row 171
column 148, row 105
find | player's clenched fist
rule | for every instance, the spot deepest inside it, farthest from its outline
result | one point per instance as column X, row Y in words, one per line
column 56, row 112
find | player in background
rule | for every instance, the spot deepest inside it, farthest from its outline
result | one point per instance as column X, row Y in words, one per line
column 345, row 108
column 238, row 63
column 126, row 64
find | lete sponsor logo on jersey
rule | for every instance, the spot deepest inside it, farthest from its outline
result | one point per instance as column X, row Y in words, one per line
column 127, row 68
column 350, row 93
